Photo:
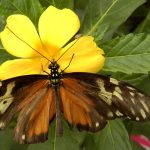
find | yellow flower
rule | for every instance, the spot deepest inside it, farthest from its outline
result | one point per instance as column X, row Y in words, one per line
column 56, row 27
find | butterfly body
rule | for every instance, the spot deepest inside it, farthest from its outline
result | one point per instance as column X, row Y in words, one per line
column 55, row 75
column 55, row 82
column 84, row 99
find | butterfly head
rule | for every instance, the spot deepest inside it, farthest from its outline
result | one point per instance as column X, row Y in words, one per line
column 54, row 66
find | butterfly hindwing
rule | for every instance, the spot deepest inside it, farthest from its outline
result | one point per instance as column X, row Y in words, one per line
column 79, row 112
column 33, row 120
column 78, row 108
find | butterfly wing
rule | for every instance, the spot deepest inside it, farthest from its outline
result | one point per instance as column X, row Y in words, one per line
column 89, row 100
column 33, row 99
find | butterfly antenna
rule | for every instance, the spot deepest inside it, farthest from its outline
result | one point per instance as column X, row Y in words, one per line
column 26, row 43
column 68, row 64
column 67, row 49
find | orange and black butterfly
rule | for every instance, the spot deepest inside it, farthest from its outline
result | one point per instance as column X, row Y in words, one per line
column 84, row 99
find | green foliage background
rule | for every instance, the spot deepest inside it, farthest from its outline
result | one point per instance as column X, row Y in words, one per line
column 122, row 29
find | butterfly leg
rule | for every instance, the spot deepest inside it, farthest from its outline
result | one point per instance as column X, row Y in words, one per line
column 44, row 70
column 68, row 64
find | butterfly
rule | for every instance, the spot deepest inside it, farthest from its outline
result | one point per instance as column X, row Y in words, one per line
column 85, row 100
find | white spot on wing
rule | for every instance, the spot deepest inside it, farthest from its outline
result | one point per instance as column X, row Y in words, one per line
column 118, row 113
column 23, row 137
column 115, row 93
column 110, row 114
column 137, row 118
column 103, row 94
column 132, row 111
column 2, row 124
column 140, row 94
column 133, row 100
column 143, row 113
column 9, row 89
column 132, row 94
column 131, row 88
column 97, row 124
column 144, row 105
column 0, row 83
column 117, row 89
column 114, row 81
column 128, row 117
column 4, row 104
column 6, row 99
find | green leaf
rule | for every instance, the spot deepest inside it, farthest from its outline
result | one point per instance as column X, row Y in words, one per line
column 112, row 137
column 130, row 54
column 135, row 146
column 30, row 8
column 58, row 3
column 5, row 56
column 2, row 23
column 144, row 85
column 139, row 128
column 107, row 15
column 6, row 139
column 145, row 25
column 7, row 142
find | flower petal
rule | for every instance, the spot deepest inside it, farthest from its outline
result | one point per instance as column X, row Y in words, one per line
column 141, row 140
column 87, row 56
column 18, row 67
column 56, row 27
column 19, row 36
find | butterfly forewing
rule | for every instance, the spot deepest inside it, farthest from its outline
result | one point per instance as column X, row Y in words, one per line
column 109, row 97
column 30, row 96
